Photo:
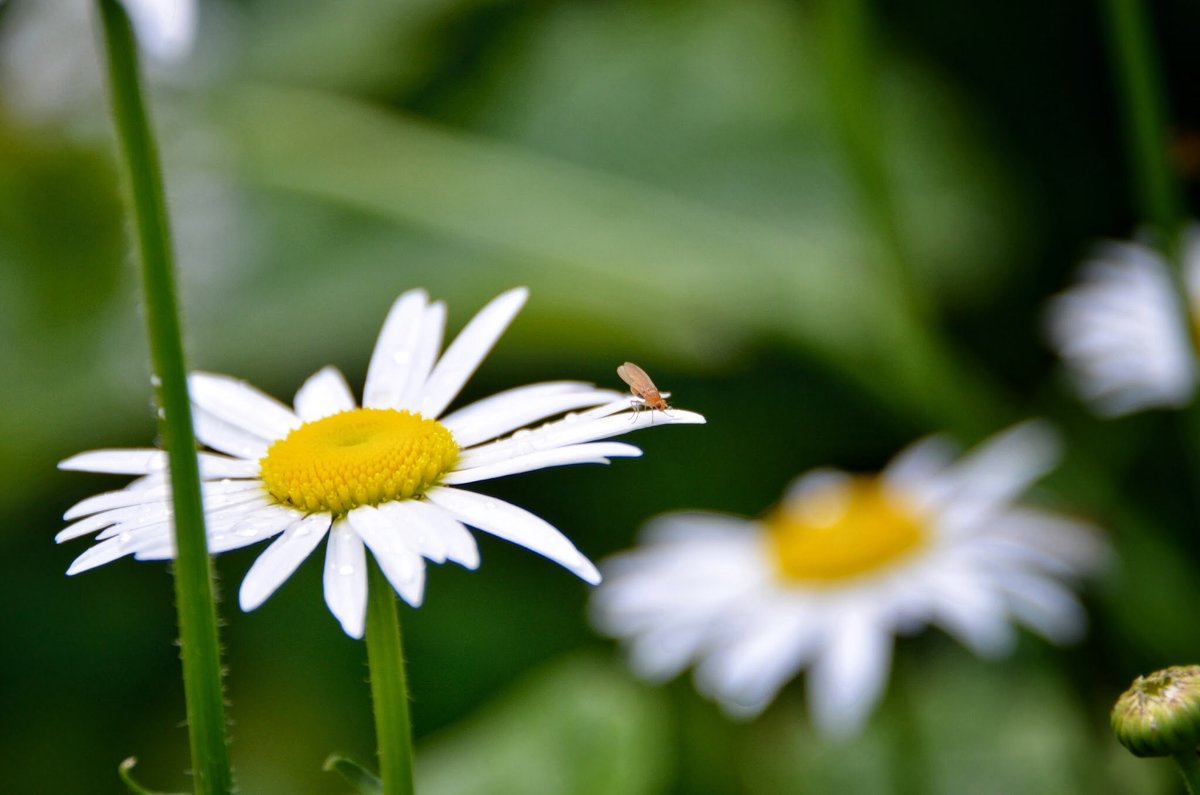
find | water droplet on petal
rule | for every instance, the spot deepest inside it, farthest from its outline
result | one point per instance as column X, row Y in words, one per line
column 345, row 570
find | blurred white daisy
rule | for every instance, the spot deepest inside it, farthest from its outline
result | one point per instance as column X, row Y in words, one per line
column 826, row 579
column 1125, row 333
column 383, row 478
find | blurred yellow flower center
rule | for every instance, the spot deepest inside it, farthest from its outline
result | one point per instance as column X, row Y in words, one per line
column 358, row 457
column 848, row 527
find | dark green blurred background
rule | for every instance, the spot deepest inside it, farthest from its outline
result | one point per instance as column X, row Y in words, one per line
column 667, row 179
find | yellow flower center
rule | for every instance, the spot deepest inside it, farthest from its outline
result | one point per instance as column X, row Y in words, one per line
column 358, row 457
column 847, row 527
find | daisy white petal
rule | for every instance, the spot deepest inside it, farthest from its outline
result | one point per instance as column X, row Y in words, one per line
column 514, row 524
column 388, row 542
column 144, row 462
column 241, row 405
column 425, row 356
column 572, row 430
column 226, row 437
column 497, row 415
column 125, row 498
column 99, row 521
column 324, row 393
column 391, row 365
column 269, row 520
column 458, row 542
column 826, row 579
column 423, row 538
column 346, row 578
column 280, row 559
column 594, row 453
column 99, row 554
column 469, row 349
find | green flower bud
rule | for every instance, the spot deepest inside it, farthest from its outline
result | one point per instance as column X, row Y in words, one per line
column 1159, row 715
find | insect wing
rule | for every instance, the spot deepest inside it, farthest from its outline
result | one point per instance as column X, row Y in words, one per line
column 636, row 377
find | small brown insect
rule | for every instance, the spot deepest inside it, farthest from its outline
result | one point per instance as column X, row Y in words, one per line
column 645, row 393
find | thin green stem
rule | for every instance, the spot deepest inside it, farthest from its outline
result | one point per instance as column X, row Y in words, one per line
column 1189, row 768
column 389, row 686
column 199, row 647
column 1145, row 117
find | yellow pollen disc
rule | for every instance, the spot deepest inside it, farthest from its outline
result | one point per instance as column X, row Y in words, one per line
column 845, row 528
column 358, row 457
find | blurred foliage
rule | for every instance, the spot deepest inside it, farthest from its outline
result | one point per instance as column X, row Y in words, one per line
column 666, row 178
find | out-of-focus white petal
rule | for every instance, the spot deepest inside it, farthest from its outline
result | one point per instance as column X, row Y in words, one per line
column 166, row 29
column 346, row 578
column 468, row 349
column 992, row 475
column 281, row 559
column 1122, row 332
column 847, row 679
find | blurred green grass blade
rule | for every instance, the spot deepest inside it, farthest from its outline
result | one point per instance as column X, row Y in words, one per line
column 812, row 288
column 364, row 781
column 605, row 227
column 577, row 726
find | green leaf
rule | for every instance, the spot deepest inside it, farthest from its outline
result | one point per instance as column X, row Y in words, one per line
column 363, row 780
column 578, row 726
column 124, row 771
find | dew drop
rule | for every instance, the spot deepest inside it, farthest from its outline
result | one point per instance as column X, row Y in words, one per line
column 345, row 570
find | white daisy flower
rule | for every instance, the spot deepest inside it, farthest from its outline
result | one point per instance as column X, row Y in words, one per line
column 825, row 580
column 1126, row 335
column 384, row 478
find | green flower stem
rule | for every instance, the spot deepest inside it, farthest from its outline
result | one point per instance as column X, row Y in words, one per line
column 1189, row 768
column 1145, row 116
column 389, row 686
column 199, row 647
